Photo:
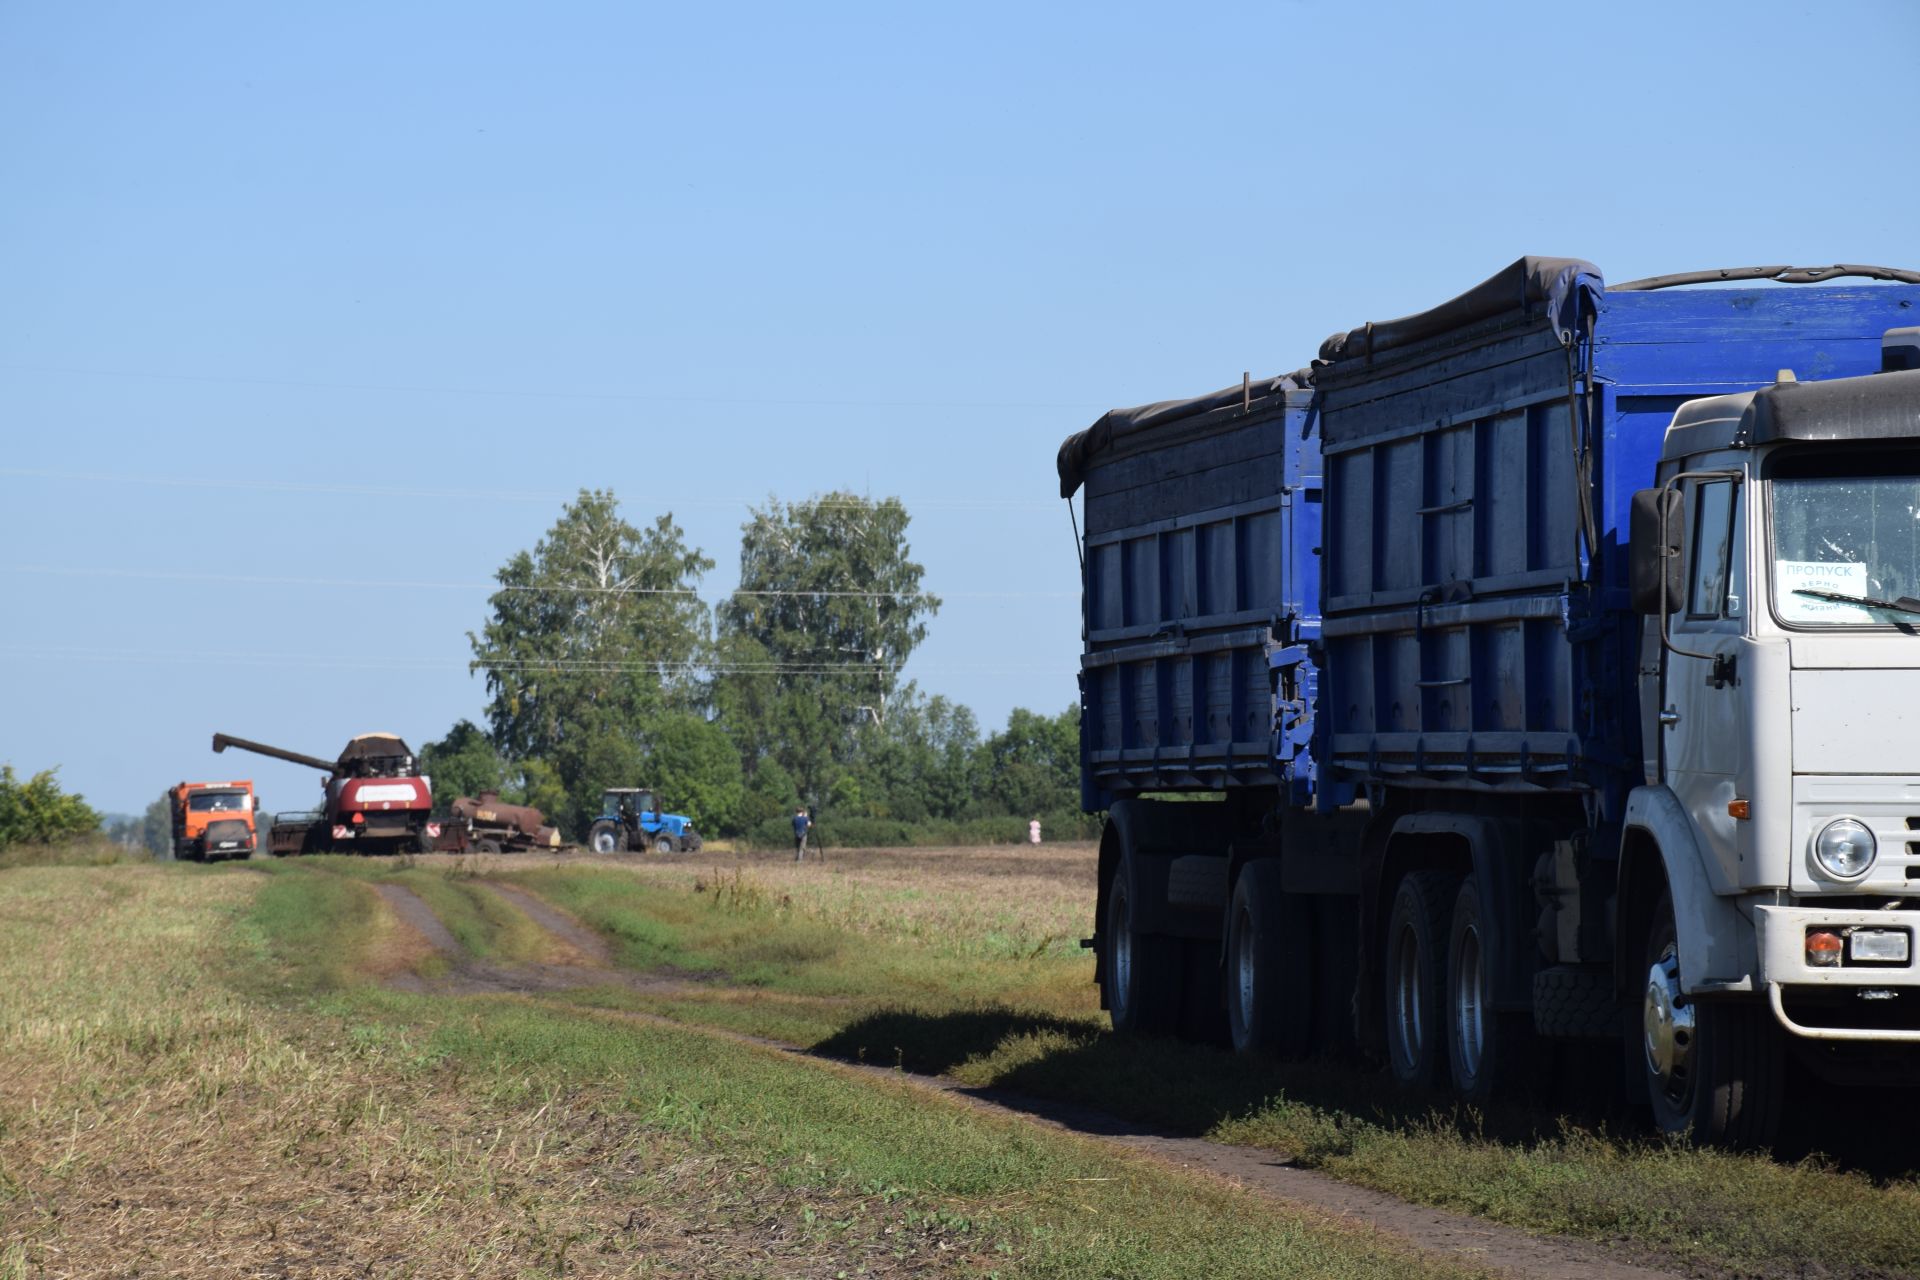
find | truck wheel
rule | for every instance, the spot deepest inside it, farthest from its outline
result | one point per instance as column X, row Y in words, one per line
column 663, row 844
column 1270, row 978
column 1484, row 1048
column 183, row 851
column 604, row 837
column 1142, row 970
column 1714, row 1071
column 1416, row 978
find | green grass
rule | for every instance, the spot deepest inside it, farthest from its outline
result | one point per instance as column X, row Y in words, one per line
column 1028, row 1027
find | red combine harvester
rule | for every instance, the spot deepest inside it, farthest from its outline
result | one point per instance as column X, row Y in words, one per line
column 376, row 800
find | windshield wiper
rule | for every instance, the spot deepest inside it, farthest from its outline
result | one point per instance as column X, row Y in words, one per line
column 1905, row 604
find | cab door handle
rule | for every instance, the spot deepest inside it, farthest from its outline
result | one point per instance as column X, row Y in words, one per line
column 1669, row 718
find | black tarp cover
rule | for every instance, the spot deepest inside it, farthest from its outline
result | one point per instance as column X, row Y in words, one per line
column 1121, row 431
column 1549, row 286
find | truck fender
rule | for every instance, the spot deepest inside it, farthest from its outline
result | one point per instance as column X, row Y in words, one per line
column 1498, row 852
column 1717, row 947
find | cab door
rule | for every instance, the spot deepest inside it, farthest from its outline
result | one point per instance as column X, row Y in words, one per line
column 1704, row 712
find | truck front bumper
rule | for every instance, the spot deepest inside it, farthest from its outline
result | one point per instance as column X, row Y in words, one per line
column 1781, row 935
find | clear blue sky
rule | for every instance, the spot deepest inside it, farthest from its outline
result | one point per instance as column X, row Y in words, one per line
column 258, row 262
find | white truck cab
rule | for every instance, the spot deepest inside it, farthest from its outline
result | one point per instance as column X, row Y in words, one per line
column 1777, row 561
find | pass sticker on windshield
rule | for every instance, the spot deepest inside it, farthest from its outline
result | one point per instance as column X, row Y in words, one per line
column 1790, row 576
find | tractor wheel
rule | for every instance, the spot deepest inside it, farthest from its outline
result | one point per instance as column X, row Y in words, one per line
column 694, row 842
column 663, row 843
column 606, row 837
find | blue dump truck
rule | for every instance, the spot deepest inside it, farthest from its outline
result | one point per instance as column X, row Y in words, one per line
column 1533, row 668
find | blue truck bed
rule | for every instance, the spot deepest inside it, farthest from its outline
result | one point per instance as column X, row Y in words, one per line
column 1463, row 622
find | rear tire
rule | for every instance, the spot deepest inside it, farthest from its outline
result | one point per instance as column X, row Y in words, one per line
column 606, row 837
column 1270, row 971
column 1714, row 1071
column 1142, row 971
column 1416, row 986
column 1485, row 1048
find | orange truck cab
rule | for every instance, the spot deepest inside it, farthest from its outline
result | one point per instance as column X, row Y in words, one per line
column 213, row 820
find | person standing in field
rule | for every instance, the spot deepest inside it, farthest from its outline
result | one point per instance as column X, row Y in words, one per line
column 801, row 825
column 1033, row 832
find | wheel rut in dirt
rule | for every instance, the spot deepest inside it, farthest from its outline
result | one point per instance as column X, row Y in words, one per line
column 468, row 974
column 1475, row 1241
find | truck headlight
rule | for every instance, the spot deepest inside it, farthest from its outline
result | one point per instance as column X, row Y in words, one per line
column 1845, row 848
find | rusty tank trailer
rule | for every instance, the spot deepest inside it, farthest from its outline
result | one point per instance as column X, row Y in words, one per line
column 483, row 824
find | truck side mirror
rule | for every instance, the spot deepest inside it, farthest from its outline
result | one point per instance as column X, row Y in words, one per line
column 1653, row 551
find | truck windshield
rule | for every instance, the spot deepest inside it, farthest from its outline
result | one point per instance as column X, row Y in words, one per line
column 217, row 801
column 1846, row 540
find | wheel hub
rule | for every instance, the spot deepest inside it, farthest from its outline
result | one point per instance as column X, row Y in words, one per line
column 1406, row 1013
column 1469, row 1016
column 1667, row 1027
column 1243, row 969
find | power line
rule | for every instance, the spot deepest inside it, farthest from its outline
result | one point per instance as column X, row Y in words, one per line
column 549, row 394
column 359, row 584
column 680, row 499
column 560, row 665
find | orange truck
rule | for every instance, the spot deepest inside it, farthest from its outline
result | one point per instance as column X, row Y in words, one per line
column 213, row 820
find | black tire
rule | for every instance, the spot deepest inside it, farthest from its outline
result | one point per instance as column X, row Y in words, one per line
column 1714, row 1070
column 423, row 843
column 663, row 843
column 184, row 851
column 1270, row 971
column 1142, row 971
column 1487, row 1050
column 694, row 842
column 1416, row 972
column 1575, row 1004
column 606, row 837
column 488, row 845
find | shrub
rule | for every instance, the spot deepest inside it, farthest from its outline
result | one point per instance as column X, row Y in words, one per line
column 38, row 812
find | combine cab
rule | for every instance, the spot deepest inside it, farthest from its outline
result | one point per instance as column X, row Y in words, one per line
column 375, row 800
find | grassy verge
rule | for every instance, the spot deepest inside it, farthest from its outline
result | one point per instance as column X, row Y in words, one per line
column 201, row 1080
column 880, row 993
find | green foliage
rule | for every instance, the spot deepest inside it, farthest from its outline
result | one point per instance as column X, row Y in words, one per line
column 829, row 609
column 464, row 763
column 694, row 769
column 919, row 765
column 38, row 812
column 594, row 632
column 1033, row 766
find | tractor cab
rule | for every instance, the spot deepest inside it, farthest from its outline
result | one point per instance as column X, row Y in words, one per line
column 632, row 806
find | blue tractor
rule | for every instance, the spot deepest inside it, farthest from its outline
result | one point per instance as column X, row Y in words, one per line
column 630, row 818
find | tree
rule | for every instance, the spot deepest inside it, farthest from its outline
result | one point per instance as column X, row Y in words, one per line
column 830, row 606
column 593, row 632
column 694, row 768
column 464, row 763
column 1033, row 765
column 36, row 811
column 156, row 826
column 919, row 764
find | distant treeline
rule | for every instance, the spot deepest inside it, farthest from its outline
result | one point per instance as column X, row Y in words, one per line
column 605, row 669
